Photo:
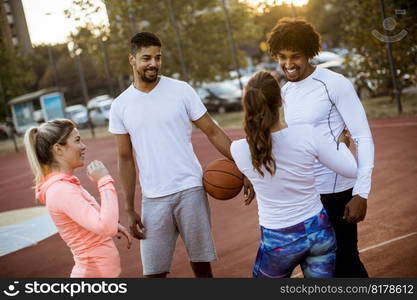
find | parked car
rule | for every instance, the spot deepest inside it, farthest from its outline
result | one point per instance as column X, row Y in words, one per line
column 93, row 102
column 340, row 51
column 243, row 79
column 209, row 99
column 275, row 69
column 326, row 56
column 77, row 113
column 269, row 66
column 99, row 112
column 224, row 96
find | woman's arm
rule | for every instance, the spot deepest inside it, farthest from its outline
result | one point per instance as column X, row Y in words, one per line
column 69, row 199
column 335, row 156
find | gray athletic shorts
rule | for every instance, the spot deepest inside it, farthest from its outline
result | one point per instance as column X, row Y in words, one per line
column 186, row 213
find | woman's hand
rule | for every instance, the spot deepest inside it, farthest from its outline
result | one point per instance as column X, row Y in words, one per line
column 345, row 137
column 96, row 170
column 248, row 191
column 126, row 233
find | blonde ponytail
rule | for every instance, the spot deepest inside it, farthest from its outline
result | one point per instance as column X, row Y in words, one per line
column 38, row 142
column 30, row 145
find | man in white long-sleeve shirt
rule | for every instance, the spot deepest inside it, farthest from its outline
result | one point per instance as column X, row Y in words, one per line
column 328, row 101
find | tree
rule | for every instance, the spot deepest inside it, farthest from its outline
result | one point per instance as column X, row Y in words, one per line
column 267, row 15
column 349, row 24
column 201, row 26
column 325, row 16
column 368, row 56
column 93, row 39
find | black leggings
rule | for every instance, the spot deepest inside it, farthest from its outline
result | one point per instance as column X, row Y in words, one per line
column 348, row 263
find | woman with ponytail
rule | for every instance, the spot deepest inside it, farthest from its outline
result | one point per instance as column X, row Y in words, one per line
column 54, row 150
column 279, row 160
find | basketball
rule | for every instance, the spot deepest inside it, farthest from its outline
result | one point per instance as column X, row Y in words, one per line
column 222, row 179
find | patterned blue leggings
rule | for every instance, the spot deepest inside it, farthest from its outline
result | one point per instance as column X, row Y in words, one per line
column 310, row 244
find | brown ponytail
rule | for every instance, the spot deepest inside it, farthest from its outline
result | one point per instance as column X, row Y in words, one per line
column 261, row 103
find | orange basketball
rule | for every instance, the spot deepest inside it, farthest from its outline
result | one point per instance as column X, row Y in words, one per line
column 222, row 179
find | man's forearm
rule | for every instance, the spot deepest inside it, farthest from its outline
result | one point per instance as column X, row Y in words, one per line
column 222, row 142
column 127, row 173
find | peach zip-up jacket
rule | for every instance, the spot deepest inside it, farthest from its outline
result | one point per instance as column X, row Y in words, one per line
column 85, row 226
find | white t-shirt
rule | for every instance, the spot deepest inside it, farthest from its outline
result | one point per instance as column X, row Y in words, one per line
column 160, row 130
column 290, row 197
column 328, row 101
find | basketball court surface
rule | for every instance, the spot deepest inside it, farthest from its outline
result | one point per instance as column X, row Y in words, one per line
column 30, row 247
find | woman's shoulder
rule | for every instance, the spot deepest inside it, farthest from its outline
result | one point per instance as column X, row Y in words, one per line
column 238, row 148
column 61, row 189
column 239, row 144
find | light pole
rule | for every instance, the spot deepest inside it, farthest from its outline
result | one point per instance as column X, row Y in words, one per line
column 131, row 16
column 178, row 39
column 103, row 40
column 52, row 61
column 393, row 69
column 75, row 53
column 293, row 9
column 232, row 43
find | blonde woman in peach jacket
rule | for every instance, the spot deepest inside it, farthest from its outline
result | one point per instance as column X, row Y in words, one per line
column 55, row 150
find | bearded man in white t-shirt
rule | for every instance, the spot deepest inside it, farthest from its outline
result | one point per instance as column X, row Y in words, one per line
column 328, row 101
column 152, row 121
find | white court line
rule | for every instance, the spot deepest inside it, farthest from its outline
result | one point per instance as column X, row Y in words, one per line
column 394, row 125
column 387, row 242
column 374, row 246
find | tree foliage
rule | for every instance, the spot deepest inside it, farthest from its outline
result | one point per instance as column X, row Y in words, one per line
column 349, row 24
column 358, row 21
column 201, row 25
column 202, row 32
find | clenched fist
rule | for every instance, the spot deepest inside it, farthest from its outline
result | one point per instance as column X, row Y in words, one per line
column 96, row 170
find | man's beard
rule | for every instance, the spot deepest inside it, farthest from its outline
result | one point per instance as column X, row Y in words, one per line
column 149, row 79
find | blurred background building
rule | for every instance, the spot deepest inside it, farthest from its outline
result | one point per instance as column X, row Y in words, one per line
column 13, row 25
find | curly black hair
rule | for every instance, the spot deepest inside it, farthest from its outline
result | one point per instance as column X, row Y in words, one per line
column 294, row 34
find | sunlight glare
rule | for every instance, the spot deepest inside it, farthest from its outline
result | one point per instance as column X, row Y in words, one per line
column 255, row 3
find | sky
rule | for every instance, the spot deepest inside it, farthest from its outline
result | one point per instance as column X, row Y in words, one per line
column 53, row 28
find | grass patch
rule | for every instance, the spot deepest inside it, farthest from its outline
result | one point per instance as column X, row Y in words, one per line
column 229, row 120
column 378, row 107
column 385, row 106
